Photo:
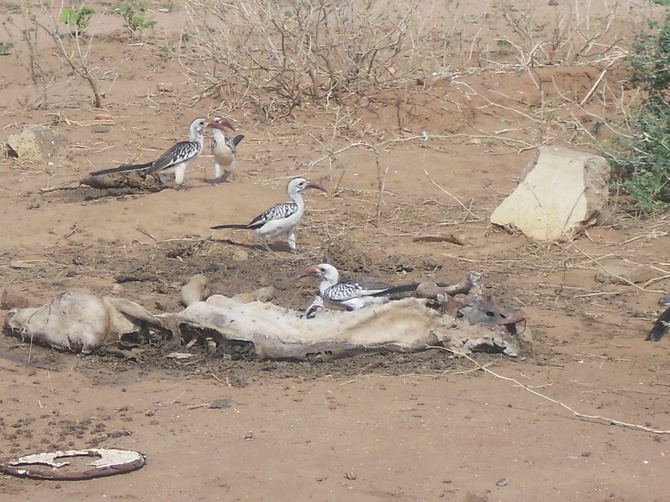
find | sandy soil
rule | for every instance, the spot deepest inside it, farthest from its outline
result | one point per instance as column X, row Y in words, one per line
column 376, row 427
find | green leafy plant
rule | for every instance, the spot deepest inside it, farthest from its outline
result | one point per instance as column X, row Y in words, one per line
column 6, row 48
column 133, row 16
column 77, row 18
column 643, row 158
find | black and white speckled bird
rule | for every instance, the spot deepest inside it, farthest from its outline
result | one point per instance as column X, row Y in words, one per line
column 224, row 150
column 349, row 294
column 662, row 324
column 280, row 219
column 173, row 162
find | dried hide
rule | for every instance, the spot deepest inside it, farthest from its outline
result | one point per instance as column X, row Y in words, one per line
column 78, row 321
column 461, row 318
column 127, row 179
column 265, row 331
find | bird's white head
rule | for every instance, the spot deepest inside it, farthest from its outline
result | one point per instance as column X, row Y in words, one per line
column 197, row 126
column 297, row 185
column 323, row 270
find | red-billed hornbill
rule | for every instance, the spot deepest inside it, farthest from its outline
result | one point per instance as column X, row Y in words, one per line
column 280, row 219
column 662, row 323
column 173, row 162
column 224, row 150
column 348, row 294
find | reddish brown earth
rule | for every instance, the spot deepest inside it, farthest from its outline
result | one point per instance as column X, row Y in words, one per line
column 377, row 427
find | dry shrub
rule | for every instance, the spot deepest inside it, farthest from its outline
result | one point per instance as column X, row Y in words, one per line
column 280, row 55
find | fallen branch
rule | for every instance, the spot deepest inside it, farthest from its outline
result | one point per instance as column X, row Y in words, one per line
column 582, row 416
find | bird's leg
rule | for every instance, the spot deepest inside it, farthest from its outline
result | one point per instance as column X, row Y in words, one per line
column 217, row 171
column 266, row 245
column 179, row 174
column 291, row 242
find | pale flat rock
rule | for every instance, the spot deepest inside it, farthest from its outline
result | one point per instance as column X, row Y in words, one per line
column 35, row 143
column 624, row 272
column 562, row 193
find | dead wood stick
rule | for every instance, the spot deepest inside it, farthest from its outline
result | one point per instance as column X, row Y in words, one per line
column 62, row 186
column 598, row 419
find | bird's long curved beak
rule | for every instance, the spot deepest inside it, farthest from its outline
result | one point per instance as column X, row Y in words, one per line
column 312, row 270
column 317, row 185
column 221, row 124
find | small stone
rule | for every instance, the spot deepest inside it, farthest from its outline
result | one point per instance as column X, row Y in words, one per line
column 240, row 255
column 166, row 87
column 219, row 404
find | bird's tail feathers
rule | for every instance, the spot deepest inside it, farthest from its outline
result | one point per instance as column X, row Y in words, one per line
column 233, row 226
column 404, row 288
column 122, row 169
column 660, row 327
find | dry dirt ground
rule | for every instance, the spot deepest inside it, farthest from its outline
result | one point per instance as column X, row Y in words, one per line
column 379, row 427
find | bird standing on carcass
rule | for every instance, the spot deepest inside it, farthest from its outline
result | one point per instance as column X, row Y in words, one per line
column 348, row 294
column 173, row 162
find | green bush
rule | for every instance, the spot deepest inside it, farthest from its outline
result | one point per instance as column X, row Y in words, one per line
column 77, row 18
column 133, row 15
column 644, row 158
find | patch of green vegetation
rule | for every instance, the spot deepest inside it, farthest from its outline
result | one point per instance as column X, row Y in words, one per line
column 6, row 48
column 133, row 16
column 76, row 18
column 643, row 158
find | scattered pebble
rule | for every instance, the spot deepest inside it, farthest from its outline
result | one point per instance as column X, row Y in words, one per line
column 218, row 404
column 101, row 129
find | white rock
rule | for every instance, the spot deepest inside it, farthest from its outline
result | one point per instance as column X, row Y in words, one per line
column 35, row 143
column 562, row 193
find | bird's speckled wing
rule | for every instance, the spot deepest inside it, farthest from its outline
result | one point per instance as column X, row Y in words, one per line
column 347, row 290
column 278, row 212
column 180, row 152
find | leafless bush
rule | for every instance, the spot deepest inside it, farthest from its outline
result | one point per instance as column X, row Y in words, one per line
column 282, row 54
column 74, row 48
column 579, row 32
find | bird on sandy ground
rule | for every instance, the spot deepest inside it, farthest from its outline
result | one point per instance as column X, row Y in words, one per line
column 281, row 219
column 224, row 150
column 172, row 163
column 348, row 294
column 662, row 323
